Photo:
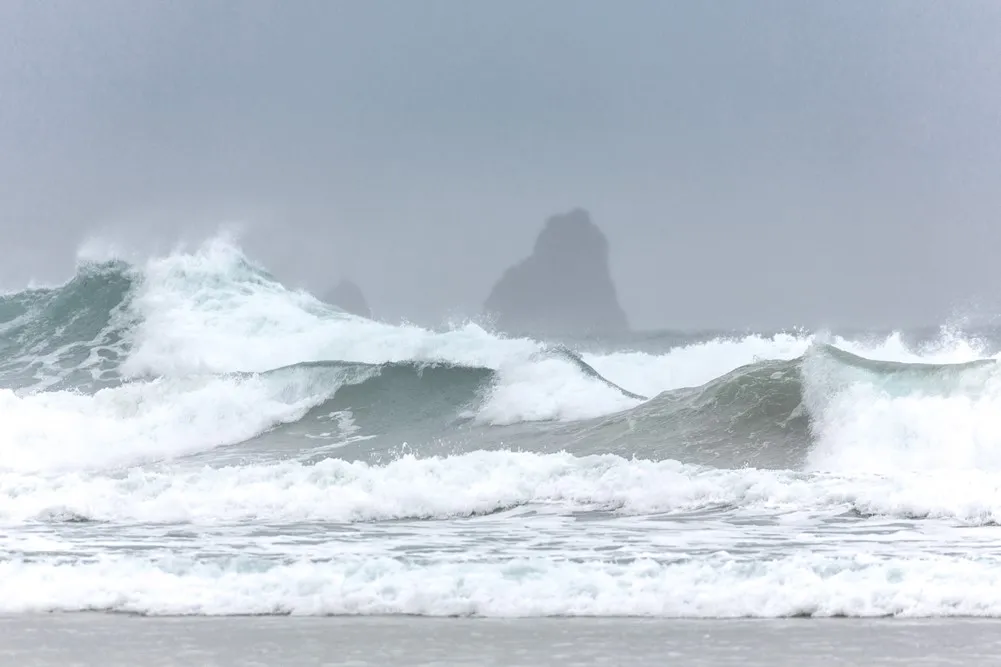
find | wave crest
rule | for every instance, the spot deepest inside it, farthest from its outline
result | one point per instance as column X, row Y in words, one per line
column 99, row 351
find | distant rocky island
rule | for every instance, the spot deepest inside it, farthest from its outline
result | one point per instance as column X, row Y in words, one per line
column 347, row 296
column 564, row 287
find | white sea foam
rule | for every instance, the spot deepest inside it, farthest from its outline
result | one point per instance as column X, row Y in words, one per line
column 147, row 420
column 671, row 539
column 212, row 311
column 717, row 586
column 695, row 364
column 480, row 483
column 549, row 389
column 862, row 421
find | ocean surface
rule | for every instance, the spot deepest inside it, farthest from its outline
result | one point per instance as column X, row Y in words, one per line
column 187, row 436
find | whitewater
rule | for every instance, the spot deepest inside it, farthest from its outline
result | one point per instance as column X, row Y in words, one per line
column 185, row 435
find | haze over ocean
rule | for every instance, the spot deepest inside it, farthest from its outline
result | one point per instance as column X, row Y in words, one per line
column 793, row 415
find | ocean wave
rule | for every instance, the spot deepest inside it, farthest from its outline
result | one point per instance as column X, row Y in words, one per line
column 147, row 421
column 124, row 359
column 873, row 416
column 482, row 483
column 186, row 435
column 67, row 336
column 717, row 586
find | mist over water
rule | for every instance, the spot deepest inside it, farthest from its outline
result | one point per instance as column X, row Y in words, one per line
column 183, row 433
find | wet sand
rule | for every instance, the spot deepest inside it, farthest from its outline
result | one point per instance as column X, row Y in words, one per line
column 119, row 640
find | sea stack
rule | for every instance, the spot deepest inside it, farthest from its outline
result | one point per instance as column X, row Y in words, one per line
column 564, row 287
column 348, row 297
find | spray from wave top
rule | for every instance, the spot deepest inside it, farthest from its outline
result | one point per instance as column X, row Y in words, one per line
column 885, row 417
column 150, row 360
column 187, row 352
column 253, row 422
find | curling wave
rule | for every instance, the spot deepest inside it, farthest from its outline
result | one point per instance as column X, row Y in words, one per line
column 188, row 435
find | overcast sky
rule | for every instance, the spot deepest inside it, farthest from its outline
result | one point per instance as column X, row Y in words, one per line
column 753, row 164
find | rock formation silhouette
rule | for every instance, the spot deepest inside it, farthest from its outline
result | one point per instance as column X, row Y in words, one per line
column 564, row 287
column 347, row 296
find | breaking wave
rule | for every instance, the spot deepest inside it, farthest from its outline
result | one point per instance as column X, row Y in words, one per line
column 194, row 399
column 190, row 352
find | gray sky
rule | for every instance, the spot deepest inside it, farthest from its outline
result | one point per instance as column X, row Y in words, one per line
column 753, row 164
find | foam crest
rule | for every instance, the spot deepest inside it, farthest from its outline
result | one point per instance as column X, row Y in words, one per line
column 148, row 420
column 338, row 490
column 549, row 389
column 698, row 363
column 885, row 422
column 481, row 483
column 695, row 364
column 214, row 311
column 718, row 586
column 949, row 347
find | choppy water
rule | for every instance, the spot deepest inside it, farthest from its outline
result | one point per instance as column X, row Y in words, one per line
column 188, row 436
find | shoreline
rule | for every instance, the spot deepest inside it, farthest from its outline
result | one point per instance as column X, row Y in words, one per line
column 113, row 639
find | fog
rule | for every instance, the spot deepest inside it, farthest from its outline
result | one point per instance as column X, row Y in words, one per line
column 759, row 164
